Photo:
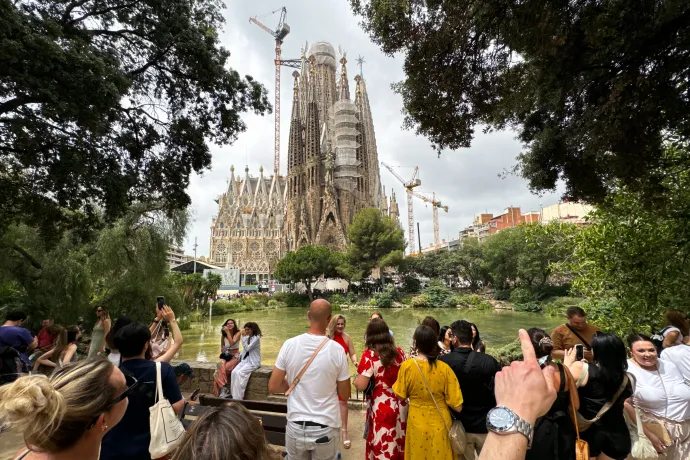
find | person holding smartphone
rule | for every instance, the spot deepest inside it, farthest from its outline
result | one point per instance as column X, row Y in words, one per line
column 576, row 331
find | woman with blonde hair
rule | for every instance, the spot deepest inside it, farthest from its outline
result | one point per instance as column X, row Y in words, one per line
column 336, row 331
column 100, row 330
column 66, row 416
column 229, row 431
column 64, row 351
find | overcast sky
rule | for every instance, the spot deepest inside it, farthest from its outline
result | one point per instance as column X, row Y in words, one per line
column 466, row 180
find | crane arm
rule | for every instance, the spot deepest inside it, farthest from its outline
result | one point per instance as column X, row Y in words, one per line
column 397, row 176
column 264, row 27
column 423, row 198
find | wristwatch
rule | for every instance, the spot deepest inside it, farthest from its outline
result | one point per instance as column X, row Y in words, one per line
column 502, row 420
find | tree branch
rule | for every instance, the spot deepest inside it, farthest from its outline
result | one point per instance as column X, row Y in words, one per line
column 18, row 101
column 99, row 12
column 34, row 263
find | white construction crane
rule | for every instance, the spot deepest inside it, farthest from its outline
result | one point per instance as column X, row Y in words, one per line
column 435, row 205
column 409, row 188
column 278, row 34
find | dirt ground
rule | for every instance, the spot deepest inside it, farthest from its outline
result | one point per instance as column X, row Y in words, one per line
column 11, row 442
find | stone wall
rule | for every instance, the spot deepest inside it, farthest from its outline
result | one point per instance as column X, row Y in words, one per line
column 257, row 388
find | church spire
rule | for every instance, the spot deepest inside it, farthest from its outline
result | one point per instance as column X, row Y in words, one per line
column 344, row 86
column 295, row 145
column 312, row 132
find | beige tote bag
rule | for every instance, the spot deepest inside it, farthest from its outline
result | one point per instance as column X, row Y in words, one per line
column 166, row 428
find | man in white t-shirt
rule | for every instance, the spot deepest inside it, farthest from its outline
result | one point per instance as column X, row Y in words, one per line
column 680, row 356
column 313, row 429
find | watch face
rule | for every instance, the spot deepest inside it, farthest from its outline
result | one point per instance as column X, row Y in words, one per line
column 501, row 419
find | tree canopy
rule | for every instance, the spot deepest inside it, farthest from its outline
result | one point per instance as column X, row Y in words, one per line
column 306, row 264
column 593, row 88
column 375, row 241
column 104, row 103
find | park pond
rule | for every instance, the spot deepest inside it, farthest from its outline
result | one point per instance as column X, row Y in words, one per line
column 497, row 328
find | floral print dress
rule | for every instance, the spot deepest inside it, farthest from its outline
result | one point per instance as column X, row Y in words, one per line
column 386, row 414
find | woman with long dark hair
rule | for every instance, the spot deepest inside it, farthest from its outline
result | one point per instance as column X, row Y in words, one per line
column 64, row 351
column 662, row 398
column 477, row 342
column 386, row 413
column 432, row 388
column 431, row 322
column 229, row 355
column 114, row 355
column 601, row 382
column 250, row 361
column 554, row 433
column 445, row 341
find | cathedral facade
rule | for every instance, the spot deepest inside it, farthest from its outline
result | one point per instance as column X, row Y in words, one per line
column 332, row 173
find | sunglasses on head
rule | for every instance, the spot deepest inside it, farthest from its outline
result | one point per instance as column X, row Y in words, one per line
column 133, row 386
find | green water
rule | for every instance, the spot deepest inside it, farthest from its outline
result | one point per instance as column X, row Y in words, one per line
column 202, row 341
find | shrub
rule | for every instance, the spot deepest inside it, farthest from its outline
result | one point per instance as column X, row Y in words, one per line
column 522, row 295
column 222, row 306
column 279, row 296
column 257, row 299
column 558, row 305
column 293, row 299
column 385, row 298
column 421, row 301
column 351, row 298
column 437, row 294
column 501, row 294
column 411, row 284
column 272, row 303
column 509, row 353
column 471, row 301
column 530, row 307
column 184, row 323
column 337, row 300
column 548, row 291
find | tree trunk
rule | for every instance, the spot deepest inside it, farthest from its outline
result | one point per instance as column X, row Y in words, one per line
column 307, row 284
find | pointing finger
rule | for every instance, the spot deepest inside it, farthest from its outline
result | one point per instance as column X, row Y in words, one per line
column 528, row 354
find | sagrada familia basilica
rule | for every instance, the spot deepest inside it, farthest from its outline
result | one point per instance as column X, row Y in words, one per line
column 333, row 173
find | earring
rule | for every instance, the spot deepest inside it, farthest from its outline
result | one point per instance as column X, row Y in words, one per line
column 105, row 427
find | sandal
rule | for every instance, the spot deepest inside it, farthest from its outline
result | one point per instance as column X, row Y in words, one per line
column 346, row 442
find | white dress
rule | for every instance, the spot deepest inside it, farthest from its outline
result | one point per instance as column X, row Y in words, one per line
column 251, row 360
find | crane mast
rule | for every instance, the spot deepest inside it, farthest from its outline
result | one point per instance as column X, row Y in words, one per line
column 409, row 189
column 435, row 207
column 279, row 34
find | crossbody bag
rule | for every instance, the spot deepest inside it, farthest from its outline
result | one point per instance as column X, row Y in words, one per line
column 304, row 369
column 585, row 343
column 456, row 432
column 584, row 424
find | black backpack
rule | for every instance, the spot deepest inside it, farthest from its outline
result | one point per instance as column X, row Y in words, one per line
column 10, row 365
column 658, row 340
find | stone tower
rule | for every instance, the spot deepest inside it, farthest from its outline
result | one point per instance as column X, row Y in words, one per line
column 333, row 169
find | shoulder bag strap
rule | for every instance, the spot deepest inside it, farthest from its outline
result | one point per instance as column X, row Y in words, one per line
column 159, row 383
column 468, row 363
column 586, row 343
column 430, row 393
column 572, row 403
column 304, row 369
column 561, row 388
column 605, row 408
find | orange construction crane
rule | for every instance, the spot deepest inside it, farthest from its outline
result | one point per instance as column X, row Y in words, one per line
column 435, row 205
column 409, row 186
column 279, row 35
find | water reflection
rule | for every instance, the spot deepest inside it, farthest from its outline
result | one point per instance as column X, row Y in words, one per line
column 202, row 341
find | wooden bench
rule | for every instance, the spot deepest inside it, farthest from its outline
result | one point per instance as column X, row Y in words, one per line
column 272, row 415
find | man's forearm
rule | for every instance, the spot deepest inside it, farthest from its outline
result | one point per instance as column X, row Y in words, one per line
column 506, row 447
column 558, row 354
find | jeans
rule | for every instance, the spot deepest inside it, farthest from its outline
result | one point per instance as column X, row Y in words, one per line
column 475, row 442
column 300, row 445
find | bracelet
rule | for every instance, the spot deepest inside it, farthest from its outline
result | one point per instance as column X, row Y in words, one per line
column 156, row 320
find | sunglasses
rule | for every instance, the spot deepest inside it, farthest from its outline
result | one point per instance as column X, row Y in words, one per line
column 133, row 386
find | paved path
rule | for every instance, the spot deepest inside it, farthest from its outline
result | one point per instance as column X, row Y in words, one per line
column 11, row 442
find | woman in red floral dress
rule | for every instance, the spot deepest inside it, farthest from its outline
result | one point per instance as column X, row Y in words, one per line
column 386, row 414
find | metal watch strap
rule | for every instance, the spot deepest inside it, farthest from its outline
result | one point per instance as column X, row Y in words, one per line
column 524, row 428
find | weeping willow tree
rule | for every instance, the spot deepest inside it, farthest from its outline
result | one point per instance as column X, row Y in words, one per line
column 121, row 265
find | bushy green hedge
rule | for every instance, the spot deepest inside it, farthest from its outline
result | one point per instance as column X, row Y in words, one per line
column 529, row 307
column 522, row 295
column 471, row 301
column 438, row 294
column 421, row 301
column 509, row 353
column 293, row 299
column 385, row 298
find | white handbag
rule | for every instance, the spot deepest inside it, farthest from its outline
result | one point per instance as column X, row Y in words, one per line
column 642, row 447
column 166, row 428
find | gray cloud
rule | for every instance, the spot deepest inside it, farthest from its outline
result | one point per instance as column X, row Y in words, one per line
column 466, row 180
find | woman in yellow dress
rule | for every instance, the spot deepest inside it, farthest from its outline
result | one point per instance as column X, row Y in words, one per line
column 427, row 433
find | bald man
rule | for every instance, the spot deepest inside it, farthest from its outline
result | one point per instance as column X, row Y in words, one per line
column 313, row 429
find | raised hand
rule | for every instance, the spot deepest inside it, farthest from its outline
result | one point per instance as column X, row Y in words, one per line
column 524, row 387
column 168, row 314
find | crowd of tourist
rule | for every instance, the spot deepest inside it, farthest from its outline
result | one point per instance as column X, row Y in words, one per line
column 447, row 400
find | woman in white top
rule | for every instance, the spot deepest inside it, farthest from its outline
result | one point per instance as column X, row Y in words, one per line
column 680, row 356
column 250, row 361
column 676, row 328
column 662, row 397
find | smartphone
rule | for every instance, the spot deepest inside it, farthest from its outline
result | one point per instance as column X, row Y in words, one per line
column 579, row 352
column 322, row 440
column 161, row 301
